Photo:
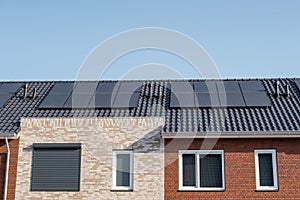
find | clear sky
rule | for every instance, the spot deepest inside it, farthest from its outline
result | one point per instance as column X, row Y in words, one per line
column 49, row 40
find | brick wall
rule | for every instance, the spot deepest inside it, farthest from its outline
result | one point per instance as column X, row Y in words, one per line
column 98, row 138
column 2, row 173
column 239, row 168
column 14, row 147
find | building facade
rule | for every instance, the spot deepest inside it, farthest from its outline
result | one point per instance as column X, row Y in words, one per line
column 169, row 139
column 99, row 139
column 240, row 169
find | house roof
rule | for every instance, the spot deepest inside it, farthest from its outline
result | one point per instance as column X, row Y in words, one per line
column 281, row 118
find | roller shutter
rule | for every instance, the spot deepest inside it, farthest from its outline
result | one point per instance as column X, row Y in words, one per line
column 56, row 167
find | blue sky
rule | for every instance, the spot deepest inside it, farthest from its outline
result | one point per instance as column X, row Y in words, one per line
column 49, row 40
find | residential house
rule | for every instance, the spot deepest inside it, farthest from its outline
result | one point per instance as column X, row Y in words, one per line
column 167, row 139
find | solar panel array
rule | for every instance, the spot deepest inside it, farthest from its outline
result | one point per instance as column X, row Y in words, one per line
column 219, row 94
column 93, row 95
column 8, row 90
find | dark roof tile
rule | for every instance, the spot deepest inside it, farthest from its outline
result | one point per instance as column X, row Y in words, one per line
column 283, row 115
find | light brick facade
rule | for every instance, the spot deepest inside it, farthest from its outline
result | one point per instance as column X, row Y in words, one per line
column 98, row 138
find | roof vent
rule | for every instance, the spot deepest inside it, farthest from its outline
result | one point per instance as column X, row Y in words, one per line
column 33, row 93
column 25, row 91
column 277, row 94
column 25, row 95
column 287, row 91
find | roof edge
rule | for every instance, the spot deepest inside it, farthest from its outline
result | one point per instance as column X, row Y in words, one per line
column 11, row 136
column 141, row 80
column 260, row 134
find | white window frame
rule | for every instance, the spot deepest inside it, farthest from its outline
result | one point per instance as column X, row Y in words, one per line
column 197, row 162
column 114, row 170
column 274, row 165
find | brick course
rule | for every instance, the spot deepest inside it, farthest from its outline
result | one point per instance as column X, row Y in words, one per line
column 239, row 168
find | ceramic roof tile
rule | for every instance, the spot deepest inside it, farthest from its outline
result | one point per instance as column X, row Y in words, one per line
column 283, row 115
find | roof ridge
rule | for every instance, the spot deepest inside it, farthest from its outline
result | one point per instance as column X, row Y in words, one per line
column 150, row 80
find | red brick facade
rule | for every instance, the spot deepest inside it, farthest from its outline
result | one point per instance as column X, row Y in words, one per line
column 14, row 148
column 239, row 168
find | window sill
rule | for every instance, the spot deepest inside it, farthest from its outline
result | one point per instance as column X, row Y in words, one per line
column 201, row 190
column 267, row 190
column 121, row 190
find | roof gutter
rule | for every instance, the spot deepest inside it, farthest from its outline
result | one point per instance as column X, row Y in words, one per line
column 7, row 168
column 14, row 137
column 260, row 134
column 6, row 138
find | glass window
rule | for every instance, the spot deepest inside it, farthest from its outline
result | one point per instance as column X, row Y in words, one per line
column 266, row 170
column 189, row 170
column 211, row 171
column 201, row 170
column 122, row 170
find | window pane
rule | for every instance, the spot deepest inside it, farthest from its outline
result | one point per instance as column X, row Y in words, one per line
column 123, row 170
column 265, row 170
column 189, row 172
column 211, row 171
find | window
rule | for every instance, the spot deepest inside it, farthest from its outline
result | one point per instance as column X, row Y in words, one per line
column 122, row 170
column 201, row 170
column 266, row 170
column 56, row 167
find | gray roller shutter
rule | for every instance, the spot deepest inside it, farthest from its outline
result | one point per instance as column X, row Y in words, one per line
column 56, row 167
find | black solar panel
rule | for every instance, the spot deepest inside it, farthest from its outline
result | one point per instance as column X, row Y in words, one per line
column 250, row 86
column 62, row 88
column 182, row 100
column 126, row 100
column 7, row 88
column 182, row 95
column 85, row 88
column 298, row 83
column 205, row 87
column 219, row 94
column 93, row 95
column 78, row 101
column 129, row 87
column 257, row 99
column 54, row 101
column 228, row 86
column 4, row 98
column 232, row 99
column 107, row 87
column 103, row 100
column 182, row 87
column 207, row 100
